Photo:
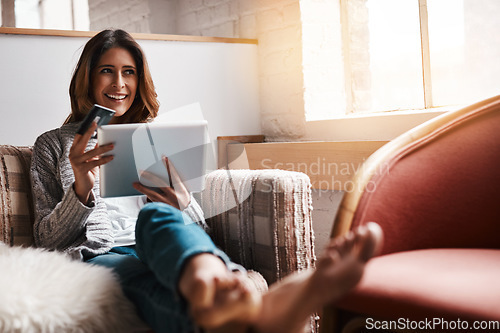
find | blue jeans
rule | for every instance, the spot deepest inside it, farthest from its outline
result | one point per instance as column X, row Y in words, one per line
column 149, row 271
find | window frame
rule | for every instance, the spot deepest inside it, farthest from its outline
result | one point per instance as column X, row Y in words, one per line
column 425, row 56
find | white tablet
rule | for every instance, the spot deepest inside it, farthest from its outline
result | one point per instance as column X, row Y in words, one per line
column 140, row 147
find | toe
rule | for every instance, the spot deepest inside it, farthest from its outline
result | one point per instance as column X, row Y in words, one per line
column 371, row 241
column 201, row 293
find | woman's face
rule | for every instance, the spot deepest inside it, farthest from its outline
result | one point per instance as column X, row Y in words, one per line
column 114, row 80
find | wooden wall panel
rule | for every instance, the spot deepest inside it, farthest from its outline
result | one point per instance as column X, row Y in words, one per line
column 330, row 165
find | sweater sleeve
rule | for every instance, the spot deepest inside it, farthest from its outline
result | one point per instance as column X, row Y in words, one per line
column 60, row 218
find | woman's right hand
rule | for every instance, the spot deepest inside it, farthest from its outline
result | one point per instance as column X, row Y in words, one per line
column 85, row 164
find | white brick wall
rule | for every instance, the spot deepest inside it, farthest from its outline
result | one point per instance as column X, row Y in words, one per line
column 282, row 84
column 130, row 15
column 163, row 16
column 322, row 59
column 292, row 83
column 292, row 45
column 8, row 13
column 207, row 17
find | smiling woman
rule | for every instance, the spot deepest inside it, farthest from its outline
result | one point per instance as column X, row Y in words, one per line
column 166, row 263
column 115, row 81
column 119, row 73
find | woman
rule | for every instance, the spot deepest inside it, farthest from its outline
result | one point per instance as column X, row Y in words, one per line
column 169, row 269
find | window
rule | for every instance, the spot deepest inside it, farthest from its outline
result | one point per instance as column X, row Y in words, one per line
column 27, row 15
column 46, row 14
column 419, row 54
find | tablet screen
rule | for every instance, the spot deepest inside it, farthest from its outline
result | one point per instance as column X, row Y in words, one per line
column 140, row 147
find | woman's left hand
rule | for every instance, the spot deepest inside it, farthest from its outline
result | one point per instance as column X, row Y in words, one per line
column 174, row 194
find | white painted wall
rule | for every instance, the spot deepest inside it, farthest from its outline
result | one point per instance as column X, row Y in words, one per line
column 35, row 72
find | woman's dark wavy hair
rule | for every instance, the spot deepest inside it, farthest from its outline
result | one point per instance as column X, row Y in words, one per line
column 145, row 106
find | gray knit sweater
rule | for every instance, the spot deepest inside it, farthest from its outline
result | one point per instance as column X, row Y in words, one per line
column 62, row 222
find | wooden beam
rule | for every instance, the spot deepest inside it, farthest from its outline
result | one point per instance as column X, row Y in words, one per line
column 139, row 36
column 330, row 165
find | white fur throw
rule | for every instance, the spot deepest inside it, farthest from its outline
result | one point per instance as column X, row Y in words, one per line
column 42, row 291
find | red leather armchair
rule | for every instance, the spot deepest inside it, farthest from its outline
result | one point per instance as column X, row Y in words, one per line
column 435, row 191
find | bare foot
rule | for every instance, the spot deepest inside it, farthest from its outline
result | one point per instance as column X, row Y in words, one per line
column 217, row 296
column 225, row 302
column 233, row 302
column 289, row 303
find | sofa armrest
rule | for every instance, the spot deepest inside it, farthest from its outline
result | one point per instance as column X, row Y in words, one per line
column 16, row 204
column 262, row 219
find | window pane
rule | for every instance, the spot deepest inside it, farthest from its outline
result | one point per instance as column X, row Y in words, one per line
column 27, row 14
column 385, row 55
column 464, row 38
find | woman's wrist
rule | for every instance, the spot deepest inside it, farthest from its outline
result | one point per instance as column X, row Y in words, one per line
column 82, row 195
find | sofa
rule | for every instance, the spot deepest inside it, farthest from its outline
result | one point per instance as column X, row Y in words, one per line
column 435, row 191
column 261, row 219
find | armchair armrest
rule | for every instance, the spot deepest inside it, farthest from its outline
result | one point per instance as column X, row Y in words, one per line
column 262, row 219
